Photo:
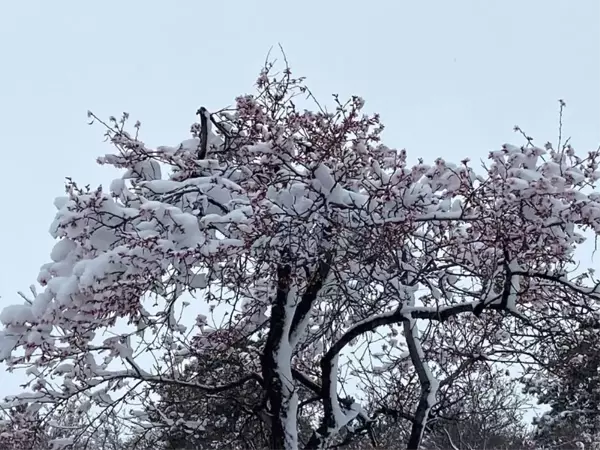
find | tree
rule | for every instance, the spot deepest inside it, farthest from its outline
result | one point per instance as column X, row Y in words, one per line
column 486, row 413
column 481, row 409
column 241, row 420
column 314, row 241
column 18, row 430
column 67, row 428
column 569, row 384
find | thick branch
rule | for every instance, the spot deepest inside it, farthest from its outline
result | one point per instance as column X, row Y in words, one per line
column 270, row 364
column 310, row 295
column 306, row 381
column 140, row 374
column 205, row 388
column 203, row 133
column 593, row 292
column 425, row 379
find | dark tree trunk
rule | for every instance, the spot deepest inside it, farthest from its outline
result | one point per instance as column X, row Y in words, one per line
column 270, row 367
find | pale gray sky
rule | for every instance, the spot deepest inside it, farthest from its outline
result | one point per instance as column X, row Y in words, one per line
column 450, row 78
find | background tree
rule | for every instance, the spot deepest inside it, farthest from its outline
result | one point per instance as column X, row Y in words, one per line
column 20, row 430
column 569, row 384
column 242, row 422
column 486, row 412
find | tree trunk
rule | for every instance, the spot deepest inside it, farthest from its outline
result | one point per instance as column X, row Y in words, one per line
column 277, row 394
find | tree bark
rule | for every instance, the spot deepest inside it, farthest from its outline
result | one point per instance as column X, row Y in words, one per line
column 270, row 367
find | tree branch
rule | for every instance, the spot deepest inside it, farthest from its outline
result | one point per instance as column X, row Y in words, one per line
column 203, row 113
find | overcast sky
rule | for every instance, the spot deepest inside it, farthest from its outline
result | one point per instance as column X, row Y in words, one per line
column 450, row 78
